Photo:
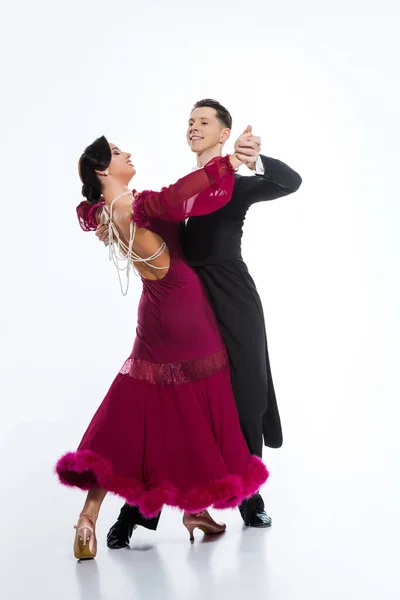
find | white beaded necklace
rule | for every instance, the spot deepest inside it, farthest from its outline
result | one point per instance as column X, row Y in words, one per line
column 121, row 254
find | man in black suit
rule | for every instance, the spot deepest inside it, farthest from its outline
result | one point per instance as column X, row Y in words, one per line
column 213, row 248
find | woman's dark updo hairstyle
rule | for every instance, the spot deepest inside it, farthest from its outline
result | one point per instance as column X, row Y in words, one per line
column 96, row 157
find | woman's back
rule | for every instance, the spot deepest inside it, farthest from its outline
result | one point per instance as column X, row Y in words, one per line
column 146, row 243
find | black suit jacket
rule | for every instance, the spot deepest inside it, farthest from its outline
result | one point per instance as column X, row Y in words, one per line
column 212, row 245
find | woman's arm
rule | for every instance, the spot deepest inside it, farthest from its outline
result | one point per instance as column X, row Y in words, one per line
column 199, row 193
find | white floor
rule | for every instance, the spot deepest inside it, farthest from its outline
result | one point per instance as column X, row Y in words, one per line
column 335, row 535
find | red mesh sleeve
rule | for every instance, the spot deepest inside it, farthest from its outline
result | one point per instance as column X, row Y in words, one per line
column 199, row 193
column 86, row 213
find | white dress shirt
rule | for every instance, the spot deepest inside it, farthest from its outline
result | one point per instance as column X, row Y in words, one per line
column 259, row 167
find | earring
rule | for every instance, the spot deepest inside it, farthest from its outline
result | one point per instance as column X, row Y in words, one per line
column 106, row 172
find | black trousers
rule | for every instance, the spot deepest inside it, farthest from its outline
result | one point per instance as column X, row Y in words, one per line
column 237, row 306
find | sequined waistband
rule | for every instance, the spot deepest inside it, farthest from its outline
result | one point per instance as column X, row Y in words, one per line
column 176, row 373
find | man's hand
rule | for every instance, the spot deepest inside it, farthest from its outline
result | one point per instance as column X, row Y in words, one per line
column 102, row 234
column 248, row 148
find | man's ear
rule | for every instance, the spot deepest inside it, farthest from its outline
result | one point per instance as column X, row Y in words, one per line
column 225, row 135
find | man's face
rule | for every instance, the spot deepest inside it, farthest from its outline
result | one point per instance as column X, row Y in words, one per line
column 205, row 130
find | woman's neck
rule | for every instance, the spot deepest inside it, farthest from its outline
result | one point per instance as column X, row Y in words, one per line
column 113, row 190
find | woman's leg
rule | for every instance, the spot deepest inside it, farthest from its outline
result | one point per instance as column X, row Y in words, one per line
column 85, row 545
column 94, row 500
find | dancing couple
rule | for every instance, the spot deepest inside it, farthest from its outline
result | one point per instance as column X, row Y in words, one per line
column 183, row 422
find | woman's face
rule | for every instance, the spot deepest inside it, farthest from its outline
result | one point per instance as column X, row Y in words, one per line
column 121, row 166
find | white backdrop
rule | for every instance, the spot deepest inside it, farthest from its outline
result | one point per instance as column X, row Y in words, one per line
column 320, row 85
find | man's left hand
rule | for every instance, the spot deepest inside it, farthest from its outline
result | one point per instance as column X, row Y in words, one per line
column 102, row 234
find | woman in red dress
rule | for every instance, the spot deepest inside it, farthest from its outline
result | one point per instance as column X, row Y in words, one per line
column 167, row 432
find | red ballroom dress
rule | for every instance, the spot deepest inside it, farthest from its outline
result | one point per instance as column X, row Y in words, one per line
column 167, row 432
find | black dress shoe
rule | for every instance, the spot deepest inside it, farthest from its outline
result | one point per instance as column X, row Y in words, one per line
column 129, row 518
column 120, row 535
column 253, row 512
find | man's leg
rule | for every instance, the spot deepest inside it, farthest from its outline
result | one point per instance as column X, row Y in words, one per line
column 253, row 509
column 129, row 518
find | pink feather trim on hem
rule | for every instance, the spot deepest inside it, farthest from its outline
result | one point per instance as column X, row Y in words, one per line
column 85, row 469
